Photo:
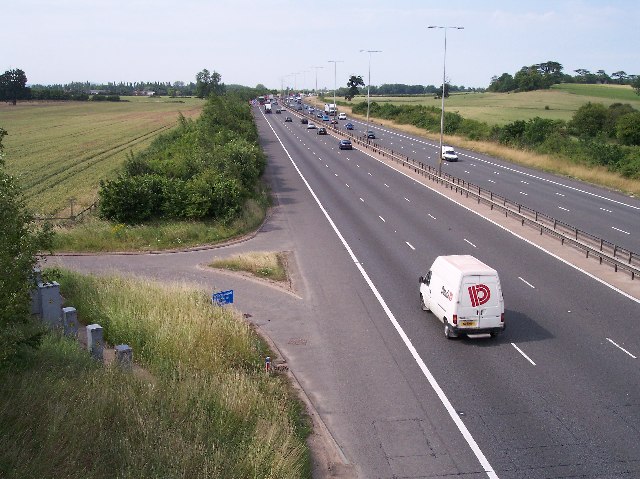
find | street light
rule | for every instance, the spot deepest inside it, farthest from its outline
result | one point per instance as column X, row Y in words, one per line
column 444, row 69
column 369, row 81
column 335, row 83
column 317, row 78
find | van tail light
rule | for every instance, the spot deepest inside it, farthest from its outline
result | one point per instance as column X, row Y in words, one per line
column 455, row 319
column 502, row 317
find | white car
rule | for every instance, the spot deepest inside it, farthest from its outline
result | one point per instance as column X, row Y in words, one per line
column 311, row 126
column 449, row 154
column 342, row 116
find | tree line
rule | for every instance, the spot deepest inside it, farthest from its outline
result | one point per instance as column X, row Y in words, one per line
column 543, row 75
column 13, row 87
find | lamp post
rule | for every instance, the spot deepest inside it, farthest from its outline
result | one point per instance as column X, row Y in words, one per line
column 316, row 68
column 335, row 83
column 369, row 81
column 444, row 69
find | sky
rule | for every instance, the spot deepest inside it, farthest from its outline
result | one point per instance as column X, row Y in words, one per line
column 280, row 43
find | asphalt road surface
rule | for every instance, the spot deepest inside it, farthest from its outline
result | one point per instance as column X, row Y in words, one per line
column 556, row 396
column 603, row 213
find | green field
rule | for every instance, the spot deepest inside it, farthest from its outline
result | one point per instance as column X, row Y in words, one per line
column 502, row 108
column 61, row 150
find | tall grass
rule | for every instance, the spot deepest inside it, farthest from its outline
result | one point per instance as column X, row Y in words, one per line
column 95, row 235
column 268, row 265
column 209, row 411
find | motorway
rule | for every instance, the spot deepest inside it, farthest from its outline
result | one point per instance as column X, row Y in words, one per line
column 557, row 395
column 607, row 214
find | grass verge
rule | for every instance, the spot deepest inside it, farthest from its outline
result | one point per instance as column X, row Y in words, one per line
column 268, row 265
column 95, row 235
column 210, row 411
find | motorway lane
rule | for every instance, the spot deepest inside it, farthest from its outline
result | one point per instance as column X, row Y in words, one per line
column 606, row 214
column 547, row 329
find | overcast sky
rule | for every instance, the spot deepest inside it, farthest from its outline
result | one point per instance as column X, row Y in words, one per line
column 251, row 41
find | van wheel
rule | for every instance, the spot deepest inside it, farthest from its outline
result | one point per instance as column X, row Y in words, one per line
column 422, row 304
column 449, row 334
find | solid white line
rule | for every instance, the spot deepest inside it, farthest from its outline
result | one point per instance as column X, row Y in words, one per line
column 526, row 282
column 414, row 353
column 410, row 245
column 621, row 231
column 381, row 218
column 621, row 348
column 470, row 243
column 522, row 352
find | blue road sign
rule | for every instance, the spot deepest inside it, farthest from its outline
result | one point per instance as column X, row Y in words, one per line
column 223, row 297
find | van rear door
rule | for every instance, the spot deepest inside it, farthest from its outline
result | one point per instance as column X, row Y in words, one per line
column 480, row 305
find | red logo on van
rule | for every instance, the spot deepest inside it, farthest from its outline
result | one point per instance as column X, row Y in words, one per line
column 479, row 294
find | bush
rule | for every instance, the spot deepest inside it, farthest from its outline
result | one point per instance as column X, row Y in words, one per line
column 628, row 128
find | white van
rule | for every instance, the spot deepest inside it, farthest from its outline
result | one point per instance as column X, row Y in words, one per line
column 465, row 294
column 449, row 154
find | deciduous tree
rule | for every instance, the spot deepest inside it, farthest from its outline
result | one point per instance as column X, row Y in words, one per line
column 353, row 84
column 13, row 86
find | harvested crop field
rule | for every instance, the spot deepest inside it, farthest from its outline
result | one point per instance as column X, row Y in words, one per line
column 61, row 150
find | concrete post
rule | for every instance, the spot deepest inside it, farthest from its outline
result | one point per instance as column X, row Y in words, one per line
column 94, row 341
column 124, row 356
column 70, row 322
column 51, row 304
column 36, row 305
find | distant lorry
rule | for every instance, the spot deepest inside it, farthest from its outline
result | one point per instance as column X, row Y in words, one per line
column 465, row 294
column 330, row 109
column 261, row 100
column 267, row 107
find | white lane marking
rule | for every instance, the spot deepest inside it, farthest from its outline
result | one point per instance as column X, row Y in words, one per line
column 620, row 347
column 523, row 193
column 526, row 282
column 491, row 181
column 382, row 218
column 466, row 171
column 496, row 172
column 347, row 185
column 470, row 243
column 560, row 194
column 505, row 229
column 606, row 210
column 407, row 199
column 431, row 216
column 621, row 231
column 486, row 466
column 522, row 352
column 336, row 174
column 369, row 174
column 563, row 209
column 524, row 182
column 386, row 185
column 410, row 245
column 358, row 166
column 361, row 200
